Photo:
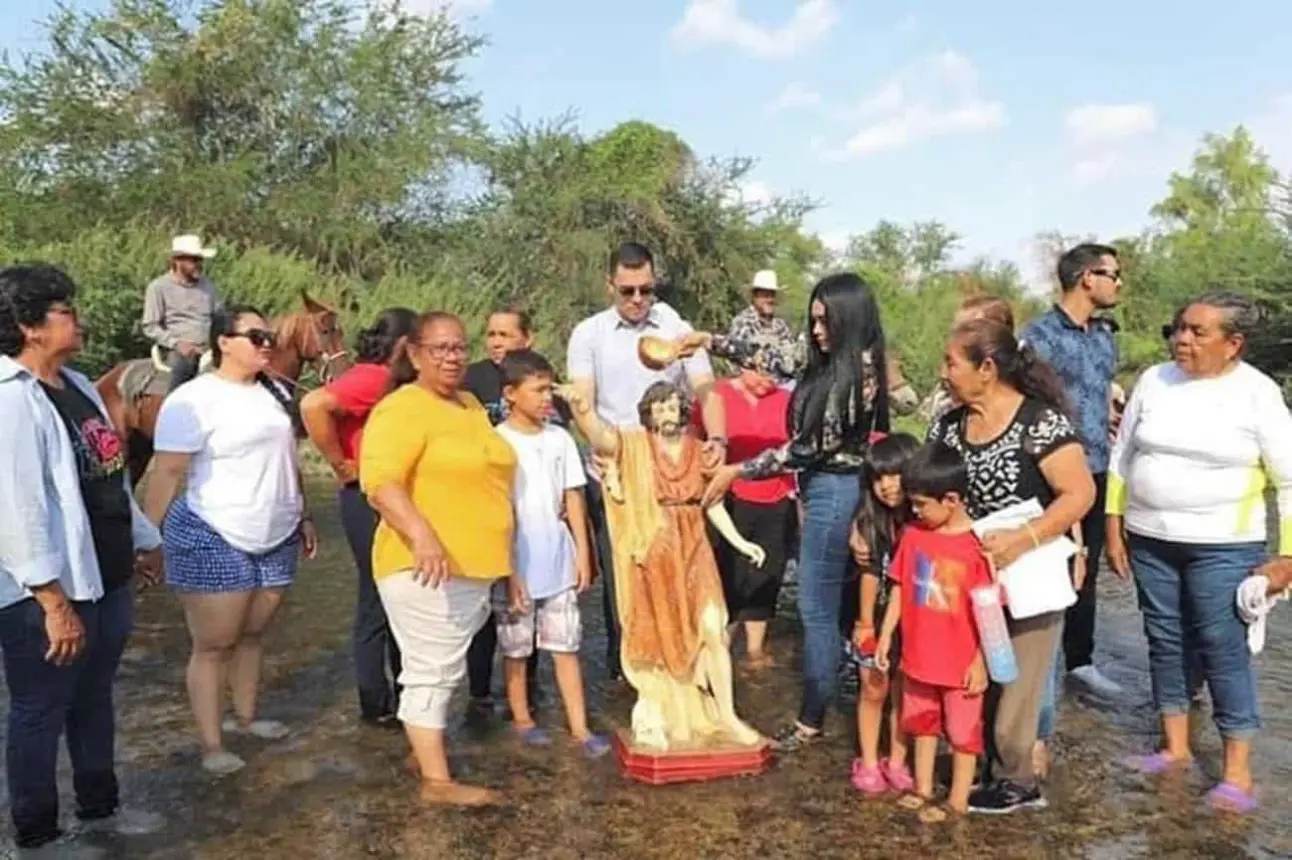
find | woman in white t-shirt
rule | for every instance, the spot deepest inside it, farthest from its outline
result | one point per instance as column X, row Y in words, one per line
column 233, row 539
column 1202, row 438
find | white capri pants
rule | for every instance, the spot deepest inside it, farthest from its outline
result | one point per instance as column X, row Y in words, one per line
column 433, row 628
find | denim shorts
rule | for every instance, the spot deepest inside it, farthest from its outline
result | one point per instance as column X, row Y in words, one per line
column 199, row 560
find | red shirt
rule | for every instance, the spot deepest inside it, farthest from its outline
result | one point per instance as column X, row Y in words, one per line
column 937, row 572
column 356, row 392
column 752, row 428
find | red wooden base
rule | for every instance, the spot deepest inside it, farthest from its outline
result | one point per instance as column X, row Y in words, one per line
column 663, row 768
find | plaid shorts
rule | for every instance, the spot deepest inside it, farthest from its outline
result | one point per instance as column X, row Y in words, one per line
column 198, row 559
column 554, row 623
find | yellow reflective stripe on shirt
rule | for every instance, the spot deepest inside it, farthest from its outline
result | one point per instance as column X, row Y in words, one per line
column 1253, row 497
column 1115, row 505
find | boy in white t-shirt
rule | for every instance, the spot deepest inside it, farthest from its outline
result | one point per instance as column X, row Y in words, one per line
column 553, row 556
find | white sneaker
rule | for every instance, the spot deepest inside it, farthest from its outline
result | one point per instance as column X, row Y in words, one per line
column 269, row 730
column 222, row 763
column 126, row 822
column 1096, row 681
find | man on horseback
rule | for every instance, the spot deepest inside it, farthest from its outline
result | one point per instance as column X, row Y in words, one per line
column 178, row 308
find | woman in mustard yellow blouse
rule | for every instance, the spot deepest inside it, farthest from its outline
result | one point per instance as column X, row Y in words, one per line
column 441, row 479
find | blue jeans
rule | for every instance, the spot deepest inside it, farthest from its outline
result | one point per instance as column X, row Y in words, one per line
column 829, row 503
column 1186, row 595
column 45, row 699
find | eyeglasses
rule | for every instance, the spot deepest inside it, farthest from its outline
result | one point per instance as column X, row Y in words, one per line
column 258, row 337
column 1107, row 273
column 645, row 292
column 444, row 350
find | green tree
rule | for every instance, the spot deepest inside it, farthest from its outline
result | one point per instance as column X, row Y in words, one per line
column 285, row 122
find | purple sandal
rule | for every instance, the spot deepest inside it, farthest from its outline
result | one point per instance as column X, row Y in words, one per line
column 1228, row 797
column 1155, row 764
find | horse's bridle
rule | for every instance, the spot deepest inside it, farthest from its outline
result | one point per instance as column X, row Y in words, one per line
column 323, row 360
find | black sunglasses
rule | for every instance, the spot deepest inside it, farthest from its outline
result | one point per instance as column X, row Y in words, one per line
column 1107, row 273
column 628, row 292
column 258, row 337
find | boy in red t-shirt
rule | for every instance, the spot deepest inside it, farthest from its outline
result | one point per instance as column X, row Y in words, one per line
column 937, row 563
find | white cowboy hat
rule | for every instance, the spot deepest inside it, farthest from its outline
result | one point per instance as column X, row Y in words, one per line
column 190, row 246
column 765, row 280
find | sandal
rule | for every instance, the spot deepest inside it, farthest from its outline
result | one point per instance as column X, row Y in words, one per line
column 533, row 736
column 794, row 737
column 1155, row 764
column 594, row 746
column 868, row 780
column 938, row 814
column 1227, row 797
column 913, row 802
column 897, row 775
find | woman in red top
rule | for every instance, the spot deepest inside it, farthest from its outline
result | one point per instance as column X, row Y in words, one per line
column 334, row 417
column 756, row 408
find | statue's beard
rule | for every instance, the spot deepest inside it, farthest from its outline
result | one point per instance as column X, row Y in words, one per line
column 669, row 429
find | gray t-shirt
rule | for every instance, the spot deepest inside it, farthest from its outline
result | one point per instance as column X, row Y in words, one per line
column 175, row 311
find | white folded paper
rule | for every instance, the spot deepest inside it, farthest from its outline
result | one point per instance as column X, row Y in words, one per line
column 1038, row 581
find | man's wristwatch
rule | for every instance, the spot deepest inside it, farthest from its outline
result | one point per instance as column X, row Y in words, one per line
column 720, row 440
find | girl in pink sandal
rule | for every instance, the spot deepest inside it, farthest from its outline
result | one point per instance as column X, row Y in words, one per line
column 882, row 514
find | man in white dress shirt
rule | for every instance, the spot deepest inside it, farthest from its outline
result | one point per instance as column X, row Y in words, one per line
column 603, row 366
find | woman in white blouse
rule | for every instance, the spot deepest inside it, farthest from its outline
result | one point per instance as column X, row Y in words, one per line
column 1202, row 438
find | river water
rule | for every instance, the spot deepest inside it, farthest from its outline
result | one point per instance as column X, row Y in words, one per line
column 335, row 790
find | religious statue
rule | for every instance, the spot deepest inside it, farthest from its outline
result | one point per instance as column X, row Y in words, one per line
column 670, row 600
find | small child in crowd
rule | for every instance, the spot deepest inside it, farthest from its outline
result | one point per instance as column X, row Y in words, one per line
column 553, row 556
column 882, row 514
column 938, row 563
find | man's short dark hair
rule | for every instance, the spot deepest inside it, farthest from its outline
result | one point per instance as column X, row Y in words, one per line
column 662, row 392
column 523, row 319
column 630, row 255
column 1076, row 261
column 935, row 472
column 519, row 365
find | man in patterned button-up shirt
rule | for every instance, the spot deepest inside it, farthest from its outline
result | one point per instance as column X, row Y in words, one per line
column 1081, row 348
column 758, row 323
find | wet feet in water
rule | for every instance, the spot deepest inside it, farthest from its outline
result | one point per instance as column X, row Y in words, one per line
column 457, row 794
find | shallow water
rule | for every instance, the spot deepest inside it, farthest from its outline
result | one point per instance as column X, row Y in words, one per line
column 335, row 789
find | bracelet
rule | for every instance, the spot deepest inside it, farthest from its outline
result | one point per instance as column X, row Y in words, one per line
column 1031, row 532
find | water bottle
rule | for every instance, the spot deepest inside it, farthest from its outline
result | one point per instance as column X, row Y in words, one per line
column 993, row 632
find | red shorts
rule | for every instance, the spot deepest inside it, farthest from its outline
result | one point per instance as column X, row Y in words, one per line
column 948, row 712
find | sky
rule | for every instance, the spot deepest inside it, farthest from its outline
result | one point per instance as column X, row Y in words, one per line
column 1000, row 118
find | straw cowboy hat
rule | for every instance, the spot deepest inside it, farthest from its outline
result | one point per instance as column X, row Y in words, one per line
column 765, row 280
column 190, row 246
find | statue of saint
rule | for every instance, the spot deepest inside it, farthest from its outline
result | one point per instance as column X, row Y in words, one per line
column 670, row 601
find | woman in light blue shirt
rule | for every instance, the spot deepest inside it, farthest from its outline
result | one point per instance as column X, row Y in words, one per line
column 70, row 541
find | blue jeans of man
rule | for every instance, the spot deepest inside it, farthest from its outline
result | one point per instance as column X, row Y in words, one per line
column 45, row 700
column 375, row 651
column 829, row 503
column 1186, row 596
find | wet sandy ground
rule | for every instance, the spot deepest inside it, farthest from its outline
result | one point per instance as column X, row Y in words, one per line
column 336, row 789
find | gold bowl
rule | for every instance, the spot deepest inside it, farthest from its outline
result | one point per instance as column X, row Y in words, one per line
column 656, row 352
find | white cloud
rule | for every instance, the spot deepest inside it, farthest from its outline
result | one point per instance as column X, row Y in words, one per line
column 1095, row 125
column 1105, row 138
column 719, row 22
column 934, row 97
column 835, row 241
column 456, row 8
column 792, row 97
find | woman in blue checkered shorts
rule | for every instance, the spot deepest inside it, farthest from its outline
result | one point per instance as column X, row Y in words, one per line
column 232, row 540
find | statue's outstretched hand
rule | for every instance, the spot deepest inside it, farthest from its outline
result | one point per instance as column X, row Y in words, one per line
column 754, row 553
column 689, row 344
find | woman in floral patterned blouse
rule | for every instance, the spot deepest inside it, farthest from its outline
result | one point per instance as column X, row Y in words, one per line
column 840, row 397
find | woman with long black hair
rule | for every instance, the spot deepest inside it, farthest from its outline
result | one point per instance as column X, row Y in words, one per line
column 840, row 398
column 334, row 418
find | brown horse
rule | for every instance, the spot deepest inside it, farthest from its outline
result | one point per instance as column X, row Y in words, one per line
column 133, row 390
